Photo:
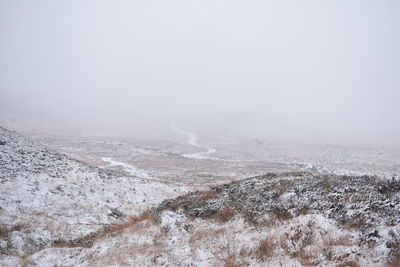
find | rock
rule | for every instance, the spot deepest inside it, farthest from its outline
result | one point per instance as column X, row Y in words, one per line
column 116, row 213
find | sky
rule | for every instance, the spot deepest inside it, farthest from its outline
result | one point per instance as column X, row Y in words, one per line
column 312, row 69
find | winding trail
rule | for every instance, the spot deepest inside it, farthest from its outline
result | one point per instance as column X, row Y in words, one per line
column 193, row 140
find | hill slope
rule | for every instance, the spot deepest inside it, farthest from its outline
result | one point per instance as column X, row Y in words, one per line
column 55, row 210
column 47, row 197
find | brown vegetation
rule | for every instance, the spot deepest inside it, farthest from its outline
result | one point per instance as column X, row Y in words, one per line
column 226, row 252
column 202, row 234
column 265, row 249
column 88, row 240
column 5, row 231
column 281, row 214
column 394, row 245
column 225, row 215
column 349, row 264
column 357, row 222
column 207, row 195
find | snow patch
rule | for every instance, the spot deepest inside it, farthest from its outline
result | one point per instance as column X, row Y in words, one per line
column 326, row 170
column 126, row 167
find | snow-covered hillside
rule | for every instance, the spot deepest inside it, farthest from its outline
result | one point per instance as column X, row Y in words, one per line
column 293, row 219
column 57, row 211
column 47, row 197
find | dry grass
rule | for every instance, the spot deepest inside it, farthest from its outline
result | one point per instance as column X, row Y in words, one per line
column 158, row 248
column 126, row 245
column 343, row 240
column 232, row 261
column 201, row 235
column 265, row 249
column 225, row 215
column 207, row 195
column 393, row 262
column 394, row 245
column 297, row 244
column 281, row 214
column 306, row 257
column 306, row 243
column 302, row 210
column 144, row 216
column 330, row 242
column 347, row 197
column 281, row 189
column 349, row 264
column 88, row 240
column 228, row 254
column 133, row 221
column 26, row 261
column 356, row 222
column 5, row 231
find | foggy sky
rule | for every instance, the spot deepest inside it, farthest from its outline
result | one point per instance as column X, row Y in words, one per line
column 319, row 69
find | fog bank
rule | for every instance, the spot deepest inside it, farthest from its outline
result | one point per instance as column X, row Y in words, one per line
column 323, row 70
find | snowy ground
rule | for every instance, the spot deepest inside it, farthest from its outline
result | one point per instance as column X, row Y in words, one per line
column 50, row 197
column 254, row 222
column 183, row 156
column 69, row 200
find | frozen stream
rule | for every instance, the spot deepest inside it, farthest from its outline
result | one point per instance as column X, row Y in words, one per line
column 126, row 167
column 192, row 139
